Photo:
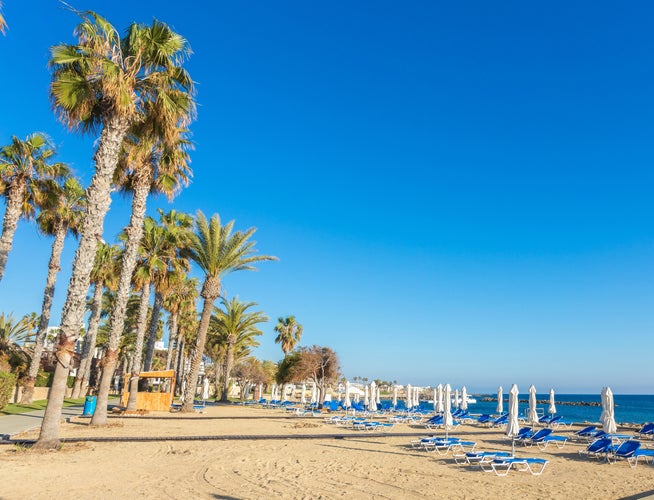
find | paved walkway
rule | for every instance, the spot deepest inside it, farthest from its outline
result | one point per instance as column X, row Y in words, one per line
column 15, row 424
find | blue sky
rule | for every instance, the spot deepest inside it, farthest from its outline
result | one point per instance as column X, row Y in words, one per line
column 457, row 193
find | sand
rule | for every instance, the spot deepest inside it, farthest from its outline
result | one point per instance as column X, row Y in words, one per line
column 357, row 466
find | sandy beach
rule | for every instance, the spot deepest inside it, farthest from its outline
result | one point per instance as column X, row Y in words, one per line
column 357, row 466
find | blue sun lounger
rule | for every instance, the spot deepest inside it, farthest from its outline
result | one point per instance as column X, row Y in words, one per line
column 502, row 466
column 544, row 437
column 598, row 448
column 586, row 434
column 476, row 458
column 647, row 431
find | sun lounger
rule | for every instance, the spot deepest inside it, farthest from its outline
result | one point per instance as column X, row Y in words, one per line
column 598, row 448
column 476, row 458
column 647, row 431
column 502, row 466
column 543, row 438
column 585, row 434
column 500, row 421
column 444, row 445
column 625, row 450
column 484, row 419
column 647, row 455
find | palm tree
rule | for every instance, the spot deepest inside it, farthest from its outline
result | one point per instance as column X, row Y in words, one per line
column 289, row 332
column 24, row 166
column 181, row 297
column 148, row 165
column 236, row 328
column 106, row 269
column 108, row 84
column 177, row 230
column 14, row 334
column 61, row 213
column 217, row 252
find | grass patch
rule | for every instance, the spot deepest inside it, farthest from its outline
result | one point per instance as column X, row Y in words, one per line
column 17, row 409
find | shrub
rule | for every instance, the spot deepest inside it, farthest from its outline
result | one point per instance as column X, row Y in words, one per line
column 43, row 379
column 7, row 383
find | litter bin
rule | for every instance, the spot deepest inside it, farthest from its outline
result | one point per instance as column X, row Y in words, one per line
column 89, row 405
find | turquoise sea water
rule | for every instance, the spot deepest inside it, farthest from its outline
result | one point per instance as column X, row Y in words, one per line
column 628, row 408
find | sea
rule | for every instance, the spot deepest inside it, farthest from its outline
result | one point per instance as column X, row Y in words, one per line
column 629, row 409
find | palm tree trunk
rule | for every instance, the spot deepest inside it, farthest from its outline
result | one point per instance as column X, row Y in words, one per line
column 198, row 351
column 138, row 346
column 98, row 200
column 179, row 365
column 152, row 331
column 219, row 376
column 229, row 364
column 172, row 340
column 53, row 269
column 13, row 212
column 134, row 233
column 82, row 376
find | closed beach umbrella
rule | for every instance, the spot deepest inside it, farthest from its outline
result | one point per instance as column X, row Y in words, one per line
column 260, row 391
column 552, row 407
column 378, row 400
column 366, row 397
column 416, row 397
column 409, row 396
column 373, row 396
column 303, row 396
column 500, row 401
column 608, row 425
column 435, row 399
column 347, row 403
column 512, row 426
column 440, row 407
column 456, row 398
column 464, row 398
column 205, row 389
column 394, row 396
column 284, row 392
column 447, row 415
column 533, row 416
column 314, row 393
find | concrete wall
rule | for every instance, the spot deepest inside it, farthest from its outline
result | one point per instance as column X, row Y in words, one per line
column 39, row 393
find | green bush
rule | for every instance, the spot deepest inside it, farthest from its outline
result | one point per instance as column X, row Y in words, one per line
column 44, row 379
column 7, row 384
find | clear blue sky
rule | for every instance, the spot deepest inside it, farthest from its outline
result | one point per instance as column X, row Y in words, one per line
column 457, row 193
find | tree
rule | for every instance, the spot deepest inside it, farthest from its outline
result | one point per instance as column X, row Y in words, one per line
column 148, row 165
column 61, row 213
column 181, row 298
column 108, row 84
column 24, row 166
column 13, row 336
column 218, row 252
column 235, row 327
column 177, row 230
column 317, row 364
column 249, row 371
column 289, row 332
column 106, row 270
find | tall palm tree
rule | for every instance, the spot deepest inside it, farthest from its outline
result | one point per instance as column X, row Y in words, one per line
column 108, row 84
column 61, row 213
column 289, row 332
column 24, row 166
column 177, row 230
column 218, row 252
column 182, row 296
column 106, row 270
column 148, row 165
column 235, row 327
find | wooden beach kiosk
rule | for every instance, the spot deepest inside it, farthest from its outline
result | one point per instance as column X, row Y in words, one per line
column 153, row 401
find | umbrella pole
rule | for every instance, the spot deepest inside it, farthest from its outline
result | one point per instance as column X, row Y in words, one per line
column 513, row 447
